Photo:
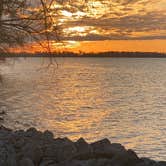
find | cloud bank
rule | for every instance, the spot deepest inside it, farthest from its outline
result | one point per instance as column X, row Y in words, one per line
column 111, row 19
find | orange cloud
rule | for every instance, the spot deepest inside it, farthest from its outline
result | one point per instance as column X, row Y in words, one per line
column 99, row 46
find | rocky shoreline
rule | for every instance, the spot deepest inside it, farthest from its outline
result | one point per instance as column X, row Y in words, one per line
column 35, row 148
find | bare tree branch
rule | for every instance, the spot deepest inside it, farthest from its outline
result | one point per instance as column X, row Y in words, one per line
column 22, row 21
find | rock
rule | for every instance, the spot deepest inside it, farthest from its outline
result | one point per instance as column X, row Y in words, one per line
column 33, row 152
column 148, row 162
column 101, row 148
column 104, row 149
column 48, row 134
column 101, row 162
column 31, row 132
column 34, row 148
column 4, row 134
column 100, row 145
column 83, row 147
column 133, row 155
column 89, row 162
column 19, row 133
column 116, row 149
column 47, row 163
column 84, row 150
column 7, row 154
column 126, row 158
column 60, row 150
column 161, row 163
column 132, row 158
column 18, row 144
column 2, row 128
column 74, row 163
column 26, row 162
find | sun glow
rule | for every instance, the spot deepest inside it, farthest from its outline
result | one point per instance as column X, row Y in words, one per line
column 66, row 13
column 77, row 29
column 108, row 25
column 97, row 9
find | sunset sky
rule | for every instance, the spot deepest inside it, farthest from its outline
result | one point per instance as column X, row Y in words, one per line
column 110, row 25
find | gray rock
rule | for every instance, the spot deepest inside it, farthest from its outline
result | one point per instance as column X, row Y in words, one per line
column 127, row 158
column 101, row 148
column 5, row 133
column 26, row 162
column 101, row 162
column 90, row 162
column 74, row 163
column 18, row 144
column 32, row 151
column 116, row 149
column 7, row 155
column 161, row 163
column 31, row 132
column 60, row 150
column 84, row 150
column 47, row 163
column 104, row 149
column 48, row 134
column 83, row 147
column 148, row 162
column 100, row 145
column 34, row 148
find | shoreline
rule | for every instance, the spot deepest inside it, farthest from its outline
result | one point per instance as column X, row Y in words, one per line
column 36, row 148
column 86, row 55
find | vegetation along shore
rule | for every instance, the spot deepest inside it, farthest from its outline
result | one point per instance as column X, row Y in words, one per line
column 81, row 54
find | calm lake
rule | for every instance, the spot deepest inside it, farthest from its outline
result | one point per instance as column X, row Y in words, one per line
column 121, row 99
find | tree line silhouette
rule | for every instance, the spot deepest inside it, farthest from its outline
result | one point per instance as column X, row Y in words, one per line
column 102, row 54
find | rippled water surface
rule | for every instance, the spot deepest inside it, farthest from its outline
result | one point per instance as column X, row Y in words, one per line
column 121, row 99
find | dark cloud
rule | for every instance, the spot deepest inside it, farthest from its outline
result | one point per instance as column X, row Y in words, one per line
column 118, row 19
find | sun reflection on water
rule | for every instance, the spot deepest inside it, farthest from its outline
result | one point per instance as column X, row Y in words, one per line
column 94, row 98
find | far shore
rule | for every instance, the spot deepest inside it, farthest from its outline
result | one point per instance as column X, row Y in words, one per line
column 81, row 54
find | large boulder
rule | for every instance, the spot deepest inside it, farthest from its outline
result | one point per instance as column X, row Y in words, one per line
column 32, row 151
column 60, row 150
column 48, row 163
column 7, row 154
column 84, row 150
column 126, row 158
column 104, row 149
column 5, row 133
column 147, row 162
column 101, row 145
column 34, row 148
column 32, row 132
column 26, row 162
column 48, row 135
column 161, row 163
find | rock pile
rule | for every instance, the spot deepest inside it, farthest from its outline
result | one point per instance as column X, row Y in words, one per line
column 34, row 148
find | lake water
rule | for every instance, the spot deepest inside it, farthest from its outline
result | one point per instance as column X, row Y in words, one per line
column 121, row 99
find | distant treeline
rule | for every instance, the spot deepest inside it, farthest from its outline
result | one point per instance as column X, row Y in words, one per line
column 104, row 54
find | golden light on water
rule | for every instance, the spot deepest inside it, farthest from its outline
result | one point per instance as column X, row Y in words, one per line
column 87, row 98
